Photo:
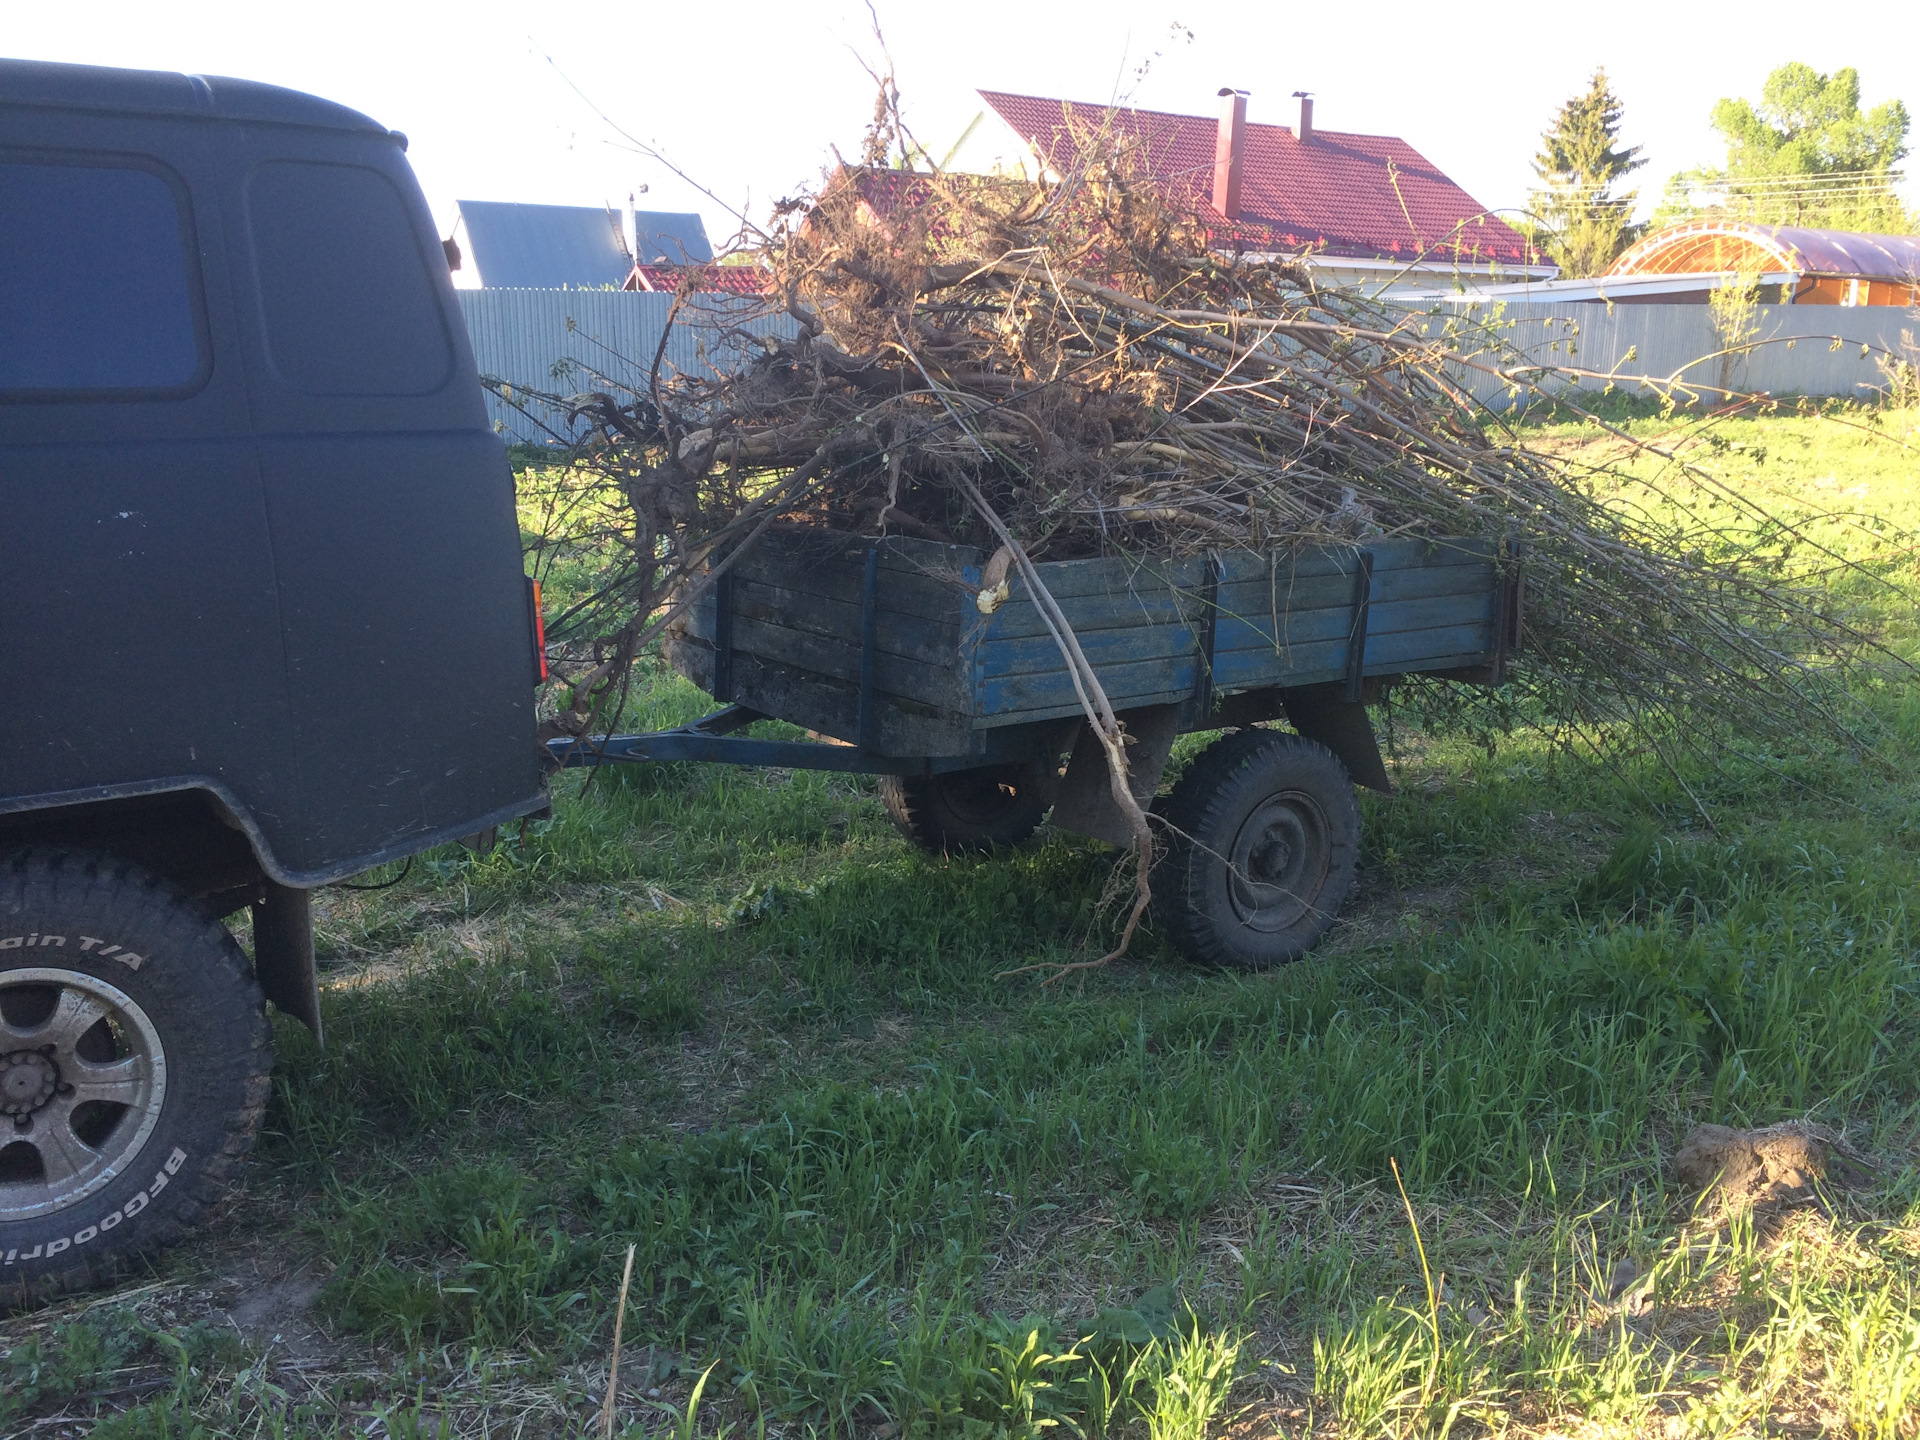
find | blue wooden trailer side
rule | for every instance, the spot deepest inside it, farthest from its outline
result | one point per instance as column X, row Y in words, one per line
column 881, row 644
column 1228, row 622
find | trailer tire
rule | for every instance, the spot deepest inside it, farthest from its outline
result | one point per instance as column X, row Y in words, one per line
column 968, row 811
column 1263, row 835
column 135, row 1062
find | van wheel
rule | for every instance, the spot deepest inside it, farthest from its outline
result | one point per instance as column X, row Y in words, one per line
column 1263, row 838
column 135, row 1060
column 968, row 811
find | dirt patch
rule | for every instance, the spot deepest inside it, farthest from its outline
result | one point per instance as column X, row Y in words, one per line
column 273, row 1309
column 1775, row 1166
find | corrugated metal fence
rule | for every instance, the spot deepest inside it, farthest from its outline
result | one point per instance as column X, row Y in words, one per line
column 1792, row 349
column 565, row 341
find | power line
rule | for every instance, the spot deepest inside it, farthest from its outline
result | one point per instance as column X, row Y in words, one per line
column 1831, row 182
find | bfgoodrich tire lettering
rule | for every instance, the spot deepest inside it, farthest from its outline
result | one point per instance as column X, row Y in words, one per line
column 135, row 1059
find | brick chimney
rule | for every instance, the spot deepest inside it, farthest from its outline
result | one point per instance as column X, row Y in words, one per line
column 1303, row 132
column 1229, row 153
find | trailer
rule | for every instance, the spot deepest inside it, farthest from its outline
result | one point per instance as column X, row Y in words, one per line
column 909, row 665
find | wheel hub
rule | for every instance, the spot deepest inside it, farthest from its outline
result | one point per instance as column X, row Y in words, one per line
column 1270, row 856
column 28, row 1080
column 1277, row 862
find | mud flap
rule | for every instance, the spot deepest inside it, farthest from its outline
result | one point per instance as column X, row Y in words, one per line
column 1324, row 713
column 283, row 954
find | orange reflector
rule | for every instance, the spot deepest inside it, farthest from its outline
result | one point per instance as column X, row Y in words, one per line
column 539, row 631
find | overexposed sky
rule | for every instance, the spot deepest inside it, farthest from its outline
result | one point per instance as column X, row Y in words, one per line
column 747, row 96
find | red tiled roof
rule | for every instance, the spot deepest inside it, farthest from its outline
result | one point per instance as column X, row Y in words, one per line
column 729, row 279
column 1354, row 196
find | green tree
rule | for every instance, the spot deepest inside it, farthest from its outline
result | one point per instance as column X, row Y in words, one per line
column 1807, row 155
column 1579, row 219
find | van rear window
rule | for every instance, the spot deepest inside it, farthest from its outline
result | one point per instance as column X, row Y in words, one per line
column 348, row 302
column 95, row 291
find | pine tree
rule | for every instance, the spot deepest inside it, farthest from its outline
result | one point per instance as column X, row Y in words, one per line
column 1579, row 220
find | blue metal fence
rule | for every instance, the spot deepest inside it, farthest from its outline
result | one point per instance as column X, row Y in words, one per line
column 1814, row 350
column 567, row 341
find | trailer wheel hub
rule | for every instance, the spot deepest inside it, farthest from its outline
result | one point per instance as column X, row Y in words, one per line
column 28, row 1080
column 1278, row 858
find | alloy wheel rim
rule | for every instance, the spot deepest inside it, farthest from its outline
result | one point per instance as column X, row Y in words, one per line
column 83, row 1077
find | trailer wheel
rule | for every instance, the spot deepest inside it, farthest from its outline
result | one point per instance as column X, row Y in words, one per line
column 1263, row 835
column 135, row 1060
column 968, row 811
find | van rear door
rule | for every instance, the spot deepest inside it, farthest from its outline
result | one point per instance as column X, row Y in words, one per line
column 388, row 500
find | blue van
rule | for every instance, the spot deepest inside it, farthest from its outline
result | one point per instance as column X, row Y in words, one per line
column 262, row 617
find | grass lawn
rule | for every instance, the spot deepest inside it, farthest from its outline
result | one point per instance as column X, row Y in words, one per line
column 729, row 1018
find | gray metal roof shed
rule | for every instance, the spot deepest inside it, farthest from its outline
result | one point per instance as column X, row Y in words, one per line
column 553, row 247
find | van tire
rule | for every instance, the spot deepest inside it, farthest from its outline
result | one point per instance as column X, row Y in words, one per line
column 88, row 1186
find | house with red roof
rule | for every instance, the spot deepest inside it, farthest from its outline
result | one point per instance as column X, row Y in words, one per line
column 707, row 279
column 1366, row 209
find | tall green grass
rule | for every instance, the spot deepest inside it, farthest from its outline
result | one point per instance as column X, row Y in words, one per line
column 731, row 1019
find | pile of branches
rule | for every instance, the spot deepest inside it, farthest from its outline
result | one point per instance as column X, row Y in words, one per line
column 1072, row 368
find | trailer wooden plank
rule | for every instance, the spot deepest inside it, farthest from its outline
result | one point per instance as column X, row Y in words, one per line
column 1420, row 647
column 943, row 686
column 1019, row 618
column 1261, row 567
column 930, row 642
column 906, row 591
column 1035, row 653
column 1298, row 628
column 1250, row 602
column 1258, row 598
column 1113, row 575
column 898, row 553
column 1430, row 613
column 1304, row 664
column 1475, row 578
column 834, row 622
column 1415, row 552
column 1233, row 632
column 830, row 707
column 1264, row 597
column 1127, row 684
column 1464, row 660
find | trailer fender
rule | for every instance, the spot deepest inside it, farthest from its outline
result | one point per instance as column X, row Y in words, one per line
column 1324, row 713
column 1085, row 804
